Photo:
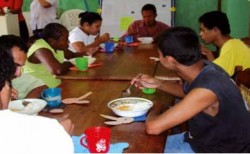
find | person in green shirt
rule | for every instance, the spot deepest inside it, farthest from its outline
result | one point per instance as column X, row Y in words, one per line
column 46, row 59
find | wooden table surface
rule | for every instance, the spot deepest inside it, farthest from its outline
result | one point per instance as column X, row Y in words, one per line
column 88, row 115
column 122, row 64
column 106, row 83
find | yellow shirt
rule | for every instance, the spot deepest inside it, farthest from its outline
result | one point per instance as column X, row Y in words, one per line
column 39, row 70
column 233, row 53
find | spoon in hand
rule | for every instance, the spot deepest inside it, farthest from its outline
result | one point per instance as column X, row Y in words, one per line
column 78, row 100
column 127, row 92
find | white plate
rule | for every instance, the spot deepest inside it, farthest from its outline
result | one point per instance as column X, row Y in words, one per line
column 35, row 106
column 91, row 60
column 130, row 106
column 145, row 40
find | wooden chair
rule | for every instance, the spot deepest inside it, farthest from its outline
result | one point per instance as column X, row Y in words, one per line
column 246, row 40
column 242, row 79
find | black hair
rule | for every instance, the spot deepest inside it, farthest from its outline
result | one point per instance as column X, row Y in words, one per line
column 53, row 30
column 216, row 19
column 89, row 17
column 7, row 67
column 149, row 7
column 7, row 42
column 181, row 43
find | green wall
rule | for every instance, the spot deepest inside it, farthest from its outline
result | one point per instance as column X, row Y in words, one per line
column 238, row 14
column 187, row 12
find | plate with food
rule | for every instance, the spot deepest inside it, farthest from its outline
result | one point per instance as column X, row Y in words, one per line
column 27, row 106
column 130, row 106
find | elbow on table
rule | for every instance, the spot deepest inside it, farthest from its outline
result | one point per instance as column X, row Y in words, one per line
column 152, row 129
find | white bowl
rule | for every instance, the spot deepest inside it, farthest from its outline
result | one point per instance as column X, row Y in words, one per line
column 91, row 60
column 145, row 40
column 35, row 106
column 130, row 106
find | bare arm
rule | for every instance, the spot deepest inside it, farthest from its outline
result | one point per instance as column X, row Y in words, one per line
column 80, row 47
column 90, row 48
column 147, row 81
column 196, row 101
column 69, row 54
column 205, row 51
column 44, row 3
column 67, row 125
column 5, row 95
column 45, row 57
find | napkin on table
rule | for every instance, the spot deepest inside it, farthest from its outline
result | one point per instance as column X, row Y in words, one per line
column 114, row 148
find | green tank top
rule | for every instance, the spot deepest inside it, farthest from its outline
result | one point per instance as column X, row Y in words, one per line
column 39, row 70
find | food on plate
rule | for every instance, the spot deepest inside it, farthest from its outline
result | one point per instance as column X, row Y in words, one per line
column 130, row 106
column 123, row 107
column 25, row 103
column 29, row 106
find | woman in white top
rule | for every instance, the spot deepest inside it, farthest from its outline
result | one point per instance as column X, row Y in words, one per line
column 86, row 38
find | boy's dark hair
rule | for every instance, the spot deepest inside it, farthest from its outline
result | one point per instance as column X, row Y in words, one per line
column 216, row 19
column 7, row 67
column 149, row 7
column 7, row 42
column 181, row 43
column 89, row 17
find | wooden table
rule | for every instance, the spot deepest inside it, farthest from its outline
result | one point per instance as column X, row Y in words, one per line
column 123, row 64
column 106, row 83
column 88, row 115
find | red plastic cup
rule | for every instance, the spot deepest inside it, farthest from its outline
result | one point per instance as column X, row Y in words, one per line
column 97, row 139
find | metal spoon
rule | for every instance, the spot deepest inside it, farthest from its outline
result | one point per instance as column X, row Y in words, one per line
column 127, row 92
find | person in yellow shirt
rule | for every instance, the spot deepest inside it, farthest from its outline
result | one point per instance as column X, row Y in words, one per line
column 215, row 29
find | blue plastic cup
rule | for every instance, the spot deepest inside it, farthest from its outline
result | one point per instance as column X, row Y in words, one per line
column 52, row 96
column 129, row 39
column 109, row 46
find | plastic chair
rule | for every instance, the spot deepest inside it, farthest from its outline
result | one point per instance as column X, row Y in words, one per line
column 70, row 18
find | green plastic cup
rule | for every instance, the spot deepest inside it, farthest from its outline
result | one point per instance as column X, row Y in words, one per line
column 82, row 63
column 148, row 90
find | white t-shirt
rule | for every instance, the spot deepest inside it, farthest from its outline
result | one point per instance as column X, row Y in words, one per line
column 24, row 134
column 77, row 35
column 41, row 16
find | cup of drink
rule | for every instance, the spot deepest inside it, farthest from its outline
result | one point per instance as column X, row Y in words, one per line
column 129, row 39
column 52, row 96
column 96, row 139
column 148, row 90
column 82, row 63
column 109, row 46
